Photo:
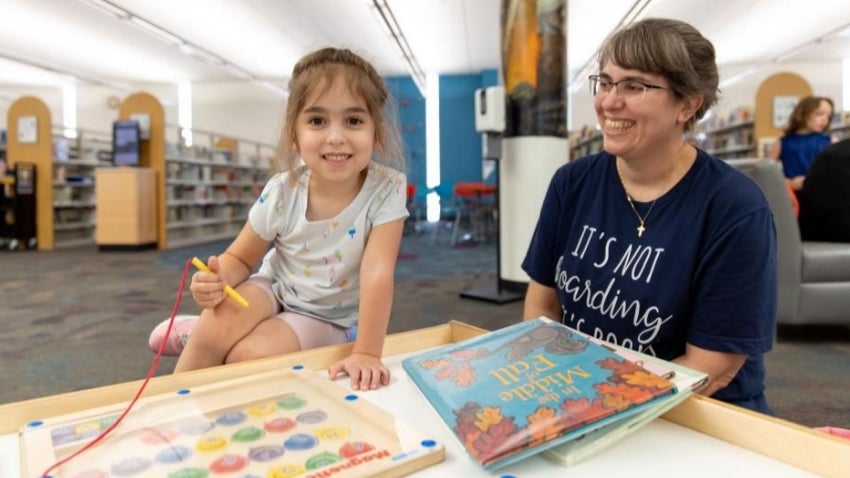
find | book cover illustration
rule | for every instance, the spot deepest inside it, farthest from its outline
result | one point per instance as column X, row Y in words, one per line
column 516, row 391
column 687, row 381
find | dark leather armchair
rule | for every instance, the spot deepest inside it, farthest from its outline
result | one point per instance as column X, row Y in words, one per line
column 814, row 277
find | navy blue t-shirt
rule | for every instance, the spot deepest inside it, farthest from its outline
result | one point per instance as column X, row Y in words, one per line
column 798, row 151
column 703, row 272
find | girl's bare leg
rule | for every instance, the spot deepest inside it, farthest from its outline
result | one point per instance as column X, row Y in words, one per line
column 219, row 329
column 271, row 337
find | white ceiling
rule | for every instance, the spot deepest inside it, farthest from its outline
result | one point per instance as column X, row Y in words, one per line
column 265, row 37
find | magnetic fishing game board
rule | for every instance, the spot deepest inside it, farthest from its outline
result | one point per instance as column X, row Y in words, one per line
column 289, row 423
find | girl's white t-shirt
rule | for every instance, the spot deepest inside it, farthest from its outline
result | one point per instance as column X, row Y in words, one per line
column 315, row 265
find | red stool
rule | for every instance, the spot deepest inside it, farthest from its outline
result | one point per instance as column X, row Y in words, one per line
column 473, row 198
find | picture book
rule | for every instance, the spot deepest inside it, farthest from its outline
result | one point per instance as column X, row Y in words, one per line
column 522, row 389
column 290, row 422
column 686, row 380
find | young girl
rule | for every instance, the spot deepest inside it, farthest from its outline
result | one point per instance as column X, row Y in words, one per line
column 333, row 219
column 803, row 138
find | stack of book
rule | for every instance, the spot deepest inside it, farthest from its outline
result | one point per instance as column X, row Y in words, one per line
column 540, row 386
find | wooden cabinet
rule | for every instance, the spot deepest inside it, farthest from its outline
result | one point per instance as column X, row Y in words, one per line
column 126, row 208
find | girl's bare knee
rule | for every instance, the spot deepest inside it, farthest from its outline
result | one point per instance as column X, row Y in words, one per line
column 270, row 338
column 241, row 352
column 212, row 334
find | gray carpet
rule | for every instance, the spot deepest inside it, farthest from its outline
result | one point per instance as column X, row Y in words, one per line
column 80, row 318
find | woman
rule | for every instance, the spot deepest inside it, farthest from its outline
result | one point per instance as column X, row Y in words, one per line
column 654, row 244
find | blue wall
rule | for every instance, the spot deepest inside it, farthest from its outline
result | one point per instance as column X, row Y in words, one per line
column 411, row 117
column 460, row 144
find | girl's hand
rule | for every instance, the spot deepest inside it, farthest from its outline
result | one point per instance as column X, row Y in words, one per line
column 366, row 372
column 208, row 287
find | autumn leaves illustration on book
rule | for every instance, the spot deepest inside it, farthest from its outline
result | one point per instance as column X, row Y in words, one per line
column 516, row 391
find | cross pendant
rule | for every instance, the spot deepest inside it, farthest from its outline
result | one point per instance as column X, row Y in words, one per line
column 640, row 229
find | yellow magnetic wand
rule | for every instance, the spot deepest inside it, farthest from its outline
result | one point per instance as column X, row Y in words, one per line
column 227, row 289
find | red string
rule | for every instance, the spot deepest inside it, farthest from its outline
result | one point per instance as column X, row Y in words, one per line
column 152, row 370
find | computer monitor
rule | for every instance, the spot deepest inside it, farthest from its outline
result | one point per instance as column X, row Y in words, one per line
column 126, row 143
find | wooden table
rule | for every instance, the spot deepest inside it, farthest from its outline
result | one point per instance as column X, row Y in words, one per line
column 701, row 437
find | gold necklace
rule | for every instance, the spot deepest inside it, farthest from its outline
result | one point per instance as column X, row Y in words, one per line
column 642, row 219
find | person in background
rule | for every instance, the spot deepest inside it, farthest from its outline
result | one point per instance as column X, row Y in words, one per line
column 825, row 197
column 803, row 138
column 653, row 244
column 334, row 220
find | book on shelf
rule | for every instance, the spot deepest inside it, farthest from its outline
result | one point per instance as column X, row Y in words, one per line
column 536, row 385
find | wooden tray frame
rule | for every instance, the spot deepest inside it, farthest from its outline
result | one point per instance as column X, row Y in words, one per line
column 399, row 449
column 779, row 439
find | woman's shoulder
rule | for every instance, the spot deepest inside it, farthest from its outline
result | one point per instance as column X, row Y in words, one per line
column 571, row 176
column 727, row 186
column 585, row 165
column 724, row 172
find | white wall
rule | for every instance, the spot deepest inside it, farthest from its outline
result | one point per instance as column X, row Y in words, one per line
column 52, row 97
column 248, row 111
column 825, row 79
column 242, row 110
column 236, row 109
column 93, row 110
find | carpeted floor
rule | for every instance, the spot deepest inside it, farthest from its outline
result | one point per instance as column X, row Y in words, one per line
column 80, row 318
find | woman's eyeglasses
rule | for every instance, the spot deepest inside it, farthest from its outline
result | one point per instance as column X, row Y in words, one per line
column 629, row 89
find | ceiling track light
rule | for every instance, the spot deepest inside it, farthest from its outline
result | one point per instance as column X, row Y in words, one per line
column 204, row 55
column 237, row 71
column 273, row 87
column 168, row 37
column 635, row 13
column 387, row 20
column 836, row 34
column 108, row 7
column 69, row 74
column 154, row 30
